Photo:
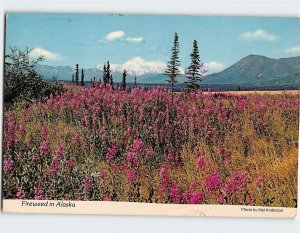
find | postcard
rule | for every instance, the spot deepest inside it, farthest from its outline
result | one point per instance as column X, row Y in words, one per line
column 151, row 115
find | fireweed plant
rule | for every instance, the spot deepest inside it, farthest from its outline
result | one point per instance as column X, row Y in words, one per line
column 104, row 144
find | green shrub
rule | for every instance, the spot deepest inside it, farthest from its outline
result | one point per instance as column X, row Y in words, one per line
column 22, row 82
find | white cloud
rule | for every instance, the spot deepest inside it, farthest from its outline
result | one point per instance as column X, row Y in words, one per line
column 295, row 49
column 37, row 52
column 135, row 39
column 213, row 66
column 114, row 35
column 138, row 66
column 259, row 34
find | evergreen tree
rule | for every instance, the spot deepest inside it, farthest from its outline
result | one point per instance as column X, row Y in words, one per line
column 77, row 74
column 108, row 72
column 82, row 77
column 104, row 75
column 193, row 73
column 172, row 70
column 93, row 81
column 124, row 80
column 73, row 78
column 135, row 83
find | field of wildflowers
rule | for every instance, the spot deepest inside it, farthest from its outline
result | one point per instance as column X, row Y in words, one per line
column 100, row 143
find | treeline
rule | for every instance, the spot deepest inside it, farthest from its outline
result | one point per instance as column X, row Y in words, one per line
column 106, row 79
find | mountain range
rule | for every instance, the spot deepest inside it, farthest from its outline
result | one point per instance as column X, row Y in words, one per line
column 250, row 70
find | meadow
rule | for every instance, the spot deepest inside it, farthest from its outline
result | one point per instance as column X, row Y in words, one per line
column 99, row 143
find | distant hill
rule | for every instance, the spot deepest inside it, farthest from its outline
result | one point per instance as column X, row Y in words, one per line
column 259, row 70
column 252, row 70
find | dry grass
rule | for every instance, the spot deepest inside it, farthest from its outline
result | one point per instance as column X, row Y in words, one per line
column 288, row 92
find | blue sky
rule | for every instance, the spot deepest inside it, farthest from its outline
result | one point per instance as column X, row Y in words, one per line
column 142, row 43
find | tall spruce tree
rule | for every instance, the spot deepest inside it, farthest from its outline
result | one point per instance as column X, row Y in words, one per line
column 193, row 73
column 82, row 77
column 124, row 80
column 108, row 72
column 77, row 74
column 172, row 70
column 104, row 75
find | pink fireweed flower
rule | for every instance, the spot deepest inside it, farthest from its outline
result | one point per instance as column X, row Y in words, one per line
column 250, row 201
column 85, row 122
column 170, row 157
column 240, row 104
column 224, row 153
column 60, row 150
column 76, row 139
column 111, row 152
column 237, row 182
column 163, row 172
column 22, row 129
column 77, row 197
column 20, row 194
column 35, row 157
column 11, row 131
column 38, row 193
column 137, row 145
column 260, row 181
column 87, row 182
column 8, row 165
column 101, row 174
column 213, row 182
column 149, row 152
column 161, row 135
column 132, row 157
column 164, row 175
column 94, row 119
column 54, row 167
column 131, row 176
column 44, row 148
column 197, row 198
column 222, row 198
column 175, row 194
column 107, row 197
column 69, row 164
column 200, row 163
column 127, row 135
column 193, row 186
column 193, row 197
column 45, row 132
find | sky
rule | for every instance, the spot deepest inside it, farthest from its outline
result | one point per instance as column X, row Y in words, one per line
column 142, row 44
